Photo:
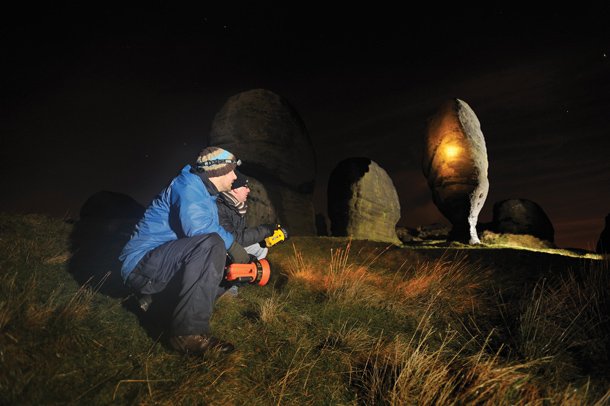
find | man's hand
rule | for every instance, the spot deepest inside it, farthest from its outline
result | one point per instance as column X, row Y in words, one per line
column 238, row 254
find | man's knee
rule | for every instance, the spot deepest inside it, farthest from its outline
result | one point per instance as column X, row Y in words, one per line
column 212, row 247
column 216, row 240
column 215, row 245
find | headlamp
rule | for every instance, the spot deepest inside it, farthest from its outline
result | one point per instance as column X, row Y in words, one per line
column 219, row 161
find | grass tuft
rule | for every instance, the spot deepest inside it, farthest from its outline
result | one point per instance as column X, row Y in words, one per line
column 341, row 321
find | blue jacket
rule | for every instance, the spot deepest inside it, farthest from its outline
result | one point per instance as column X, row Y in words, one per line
column 183, row 209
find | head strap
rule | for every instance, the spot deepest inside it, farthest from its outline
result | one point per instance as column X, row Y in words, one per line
column 218, row 162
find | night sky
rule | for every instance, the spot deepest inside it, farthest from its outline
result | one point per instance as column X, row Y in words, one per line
column 120, row 99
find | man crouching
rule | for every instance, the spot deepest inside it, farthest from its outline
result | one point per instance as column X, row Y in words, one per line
column 180, row 237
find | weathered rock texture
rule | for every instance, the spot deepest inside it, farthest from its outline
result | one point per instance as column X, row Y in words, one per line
column 603, row 244
column 267, row 134
column 362, row 201
column 522, row 216
column 260, row 207
column 455, row 165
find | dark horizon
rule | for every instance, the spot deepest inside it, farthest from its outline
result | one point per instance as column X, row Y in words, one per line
column 120, row 99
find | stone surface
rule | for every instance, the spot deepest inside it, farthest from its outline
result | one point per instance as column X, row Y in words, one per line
column 266, row 133
column 362, row 201
column 260, row 208
column 455, row 165
column 522, row 216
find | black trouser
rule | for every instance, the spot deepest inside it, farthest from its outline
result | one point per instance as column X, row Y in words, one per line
column 199, row 261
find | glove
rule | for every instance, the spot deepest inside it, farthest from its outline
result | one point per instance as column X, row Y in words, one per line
column 238, row 254
column 269, row 229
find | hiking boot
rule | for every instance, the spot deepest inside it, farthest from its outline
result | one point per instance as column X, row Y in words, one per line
column 233, row 291
column 144, row 302
column 197, row 344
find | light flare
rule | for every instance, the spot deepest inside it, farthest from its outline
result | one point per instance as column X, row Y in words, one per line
column 452, row 151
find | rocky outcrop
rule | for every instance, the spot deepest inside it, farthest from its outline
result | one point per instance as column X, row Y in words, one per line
column 106, row 222
column 522, row 216
column 515, row 240
column 110, row 213
column 603, row 244
column 266, row 133
column 427, row 232
column 455, row 165
column 362, row 201
column 111, row 205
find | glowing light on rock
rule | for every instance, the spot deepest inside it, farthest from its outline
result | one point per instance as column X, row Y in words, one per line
column 455, row 165
column 452, row 151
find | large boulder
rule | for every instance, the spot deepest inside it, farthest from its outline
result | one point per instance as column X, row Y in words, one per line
column 266, row 133
column 362, row 201
column 455, row 165
column 260, row 207
column 603, row 244
column 106, row 222
column 110, row 213
column 111, row 205
column 522, row 216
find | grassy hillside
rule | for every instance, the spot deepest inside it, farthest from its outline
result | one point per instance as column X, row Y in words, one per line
column 341, row 323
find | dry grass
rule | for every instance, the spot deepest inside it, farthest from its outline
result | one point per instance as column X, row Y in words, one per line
column 270, row 309
column 455, row 282
column 565, row 320
column 13, row 298
column 415, row 371
column 421, row 371
column 346, row 282
column 348, row 327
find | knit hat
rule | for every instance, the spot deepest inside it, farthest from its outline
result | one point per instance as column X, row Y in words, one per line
column 240, row 181
column 214, row 161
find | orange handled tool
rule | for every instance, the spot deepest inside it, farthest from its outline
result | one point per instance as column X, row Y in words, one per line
column 256, row 272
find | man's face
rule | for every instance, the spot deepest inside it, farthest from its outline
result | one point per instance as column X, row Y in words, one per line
column 241, row 193
column 223, row 183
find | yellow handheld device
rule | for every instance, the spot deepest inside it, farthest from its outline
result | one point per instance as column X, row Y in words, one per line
column 278, row 236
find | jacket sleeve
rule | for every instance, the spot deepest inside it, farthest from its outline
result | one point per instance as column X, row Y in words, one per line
column 198, row 213
column 226, row 219
column 251, row 235
column 236, row 225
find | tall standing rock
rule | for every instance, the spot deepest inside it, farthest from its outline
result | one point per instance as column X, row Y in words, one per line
column 362, row 201
column 260, row 208
column 266, row 133
column 455, row 165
